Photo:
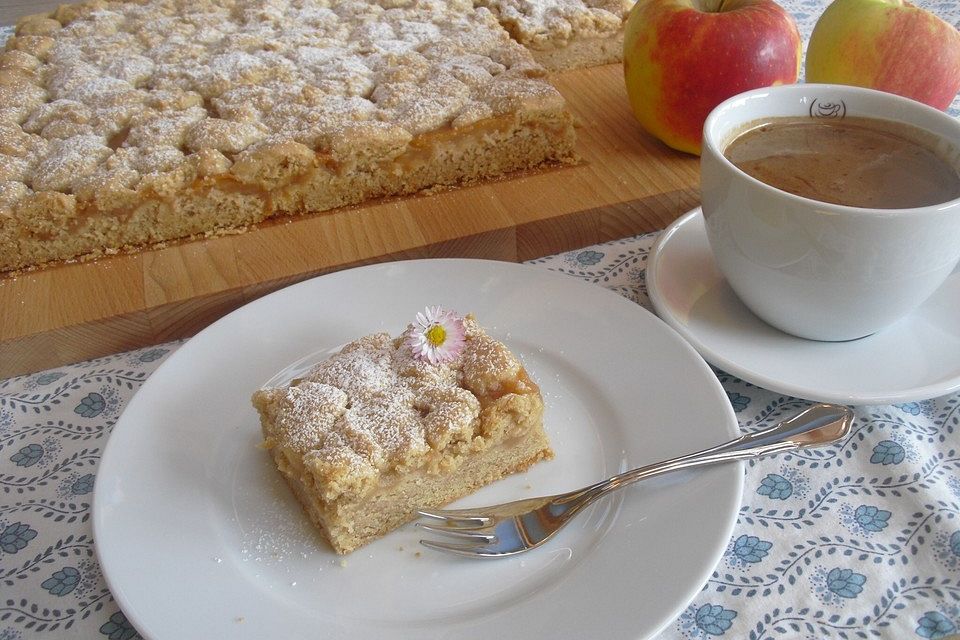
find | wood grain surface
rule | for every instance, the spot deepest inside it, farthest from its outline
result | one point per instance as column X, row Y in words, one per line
column 627, row 183
column 12, row 10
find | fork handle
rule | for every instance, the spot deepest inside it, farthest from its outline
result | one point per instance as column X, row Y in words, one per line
column 818, row 425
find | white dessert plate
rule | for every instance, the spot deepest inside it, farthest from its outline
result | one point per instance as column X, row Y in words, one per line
column 199, row 537
column 916, row 358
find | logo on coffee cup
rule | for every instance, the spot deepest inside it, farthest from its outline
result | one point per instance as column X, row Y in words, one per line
column 821, row 109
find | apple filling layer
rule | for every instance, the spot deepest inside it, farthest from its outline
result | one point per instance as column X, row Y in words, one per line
column 370, row 435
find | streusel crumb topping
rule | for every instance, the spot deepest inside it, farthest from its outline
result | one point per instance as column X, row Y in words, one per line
column 551, row 24
column 374, row 408
column 124, row 96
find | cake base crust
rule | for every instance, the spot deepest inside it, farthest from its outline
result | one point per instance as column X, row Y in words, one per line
column 350, row 525
column 578, row 54
column 223, row 204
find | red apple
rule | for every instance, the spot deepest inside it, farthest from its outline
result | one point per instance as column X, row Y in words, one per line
column 889, row 45
column 681, row 58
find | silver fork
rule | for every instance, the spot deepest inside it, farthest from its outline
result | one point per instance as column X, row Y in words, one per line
column 514, row 527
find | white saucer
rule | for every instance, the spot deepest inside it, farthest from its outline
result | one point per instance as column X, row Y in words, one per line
column 914, row 359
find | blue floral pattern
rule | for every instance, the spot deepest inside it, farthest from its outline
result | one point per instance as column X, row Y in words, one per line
column 119, row 628
column 750, row 548
column 775, row 487
column 935, row 625
column 870, row 518
column 714, row 620
column 888, row 452
column 53, row 426
column 739, row 401
column 845, row 583
column 91, row 405
column 151, row 355
column 62, row 581
column 588, row 258
column 49, row 377
column 28, row 456
column 82, row 485
column 913, row 408
column 15, row 537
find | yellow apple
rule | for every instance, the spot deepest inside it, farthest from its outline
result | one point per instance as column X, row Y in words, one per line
column 889, row 45
column 681, row 58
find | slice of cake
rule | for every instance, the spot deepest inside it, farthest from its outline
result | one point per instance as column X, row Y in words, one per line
column 565, row 34
column 390, row 425
column 128, row 124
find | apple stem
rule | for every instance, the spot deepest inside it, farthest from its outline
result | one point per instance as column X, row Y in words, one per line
column 711, row 6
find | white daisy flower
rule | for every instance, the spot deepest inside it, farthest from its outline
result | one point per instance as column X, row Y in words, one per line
column 437, row 335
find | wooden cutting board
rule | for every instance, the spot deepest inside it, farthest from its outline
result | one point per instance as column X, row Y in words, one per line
column 627, row 183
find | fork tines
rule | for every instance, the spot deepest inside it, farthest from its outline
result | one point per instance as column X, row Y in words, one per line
column 453, row 520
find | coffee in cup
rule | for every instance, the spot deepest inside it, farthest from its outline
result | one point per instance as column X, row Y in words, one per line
column 816, row 230
column 856, row 162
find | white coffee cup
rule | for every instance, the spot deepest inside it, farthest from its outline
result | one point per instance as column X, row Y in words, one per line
column 816, row 270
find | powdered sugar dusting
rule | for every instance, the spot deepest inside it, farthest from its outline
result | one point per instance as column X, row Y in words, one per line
column 546, row 24
column 161, row 74
column 373, row 407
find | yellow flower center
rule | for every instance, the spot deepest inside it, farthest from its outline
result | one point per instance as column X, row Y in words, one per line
column 436, row 335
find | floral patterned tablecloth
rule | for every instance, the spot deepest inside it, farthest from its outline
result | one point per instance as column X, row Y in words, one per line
column 853, row 541
column 858, row 540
